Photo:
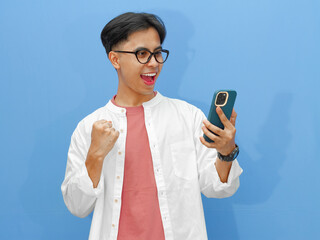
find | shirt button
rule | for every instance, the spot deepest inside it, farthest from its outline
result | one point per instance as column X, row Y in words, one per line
column 113, row 225
column 119, row 153
column 118, row 177
column 122, row 110
column 116, row 200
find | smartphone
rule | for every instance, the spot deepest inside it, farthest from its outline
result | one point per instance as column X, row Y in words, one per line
column 225, row 100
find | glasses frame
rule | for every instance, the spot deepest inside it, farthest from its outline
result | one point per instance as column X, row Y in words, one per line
column 151, row 54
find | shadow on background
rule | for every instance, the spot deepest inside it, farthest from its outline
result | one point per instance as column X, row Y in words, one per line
column 179, row 32
column 275, row 137
column 255, row 185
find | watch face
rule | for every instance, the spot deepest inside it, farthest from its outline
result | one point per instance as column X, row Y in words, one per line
column 236, row 153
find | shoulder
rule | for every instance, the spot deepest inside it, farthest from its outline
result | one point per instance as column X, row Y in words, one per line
column 182, row 105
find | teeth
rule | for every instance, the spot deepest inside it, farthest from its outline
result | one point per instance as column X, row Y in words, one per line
column 149, row 74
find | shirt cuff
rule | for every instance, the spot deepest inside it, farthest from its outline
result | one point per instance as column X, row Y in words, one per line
column 85, row 184
column 234, row 173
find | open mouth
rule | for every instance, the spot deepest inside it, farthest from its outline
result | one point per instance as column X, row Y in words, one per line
column 148, row 78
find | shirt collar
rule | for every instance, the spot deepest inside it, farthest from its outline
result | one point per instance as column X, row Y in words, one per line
column 149, row 104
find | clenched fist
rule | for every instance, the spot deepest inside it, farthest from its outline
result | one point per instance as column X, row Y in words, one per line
column 103, row 138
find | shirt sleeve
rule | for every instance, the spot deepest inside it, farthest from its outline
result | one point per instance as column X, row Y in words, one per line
column 209, row 180
column 77, row 187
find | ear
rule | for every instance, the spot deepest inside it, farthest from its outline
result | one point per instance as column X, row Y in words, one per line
column 114, row 59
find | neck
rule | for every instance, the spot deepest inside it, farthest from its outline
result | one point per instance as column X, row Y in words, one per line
column 126, row 100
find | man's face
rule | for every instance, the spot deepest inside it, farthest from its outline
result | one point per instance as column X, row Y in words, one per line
column 136, row 78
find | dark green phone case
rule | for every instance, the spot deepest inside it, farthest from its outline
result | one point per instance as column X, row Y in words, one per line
column 227, row 109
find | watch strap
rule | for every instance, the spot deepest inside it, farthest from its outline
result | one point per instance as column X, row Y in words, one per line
column 231, row 157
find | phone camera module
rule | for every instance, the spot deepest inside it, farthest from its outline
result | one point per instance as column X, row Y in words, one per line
column 221, row 98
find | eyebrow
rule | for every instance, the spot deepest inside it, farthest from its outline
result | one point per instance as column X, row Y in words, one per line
column 143, row 48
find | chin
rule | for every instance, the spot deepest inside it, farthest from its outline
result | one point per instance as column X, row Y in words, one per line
column 147, row 92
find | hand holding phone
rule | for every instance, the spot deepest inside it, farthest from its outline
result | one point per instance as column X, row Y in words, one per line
column 224, row 99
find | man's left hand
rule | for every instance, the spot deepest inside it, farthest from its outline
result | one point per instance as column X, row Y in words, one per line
column 224, row 140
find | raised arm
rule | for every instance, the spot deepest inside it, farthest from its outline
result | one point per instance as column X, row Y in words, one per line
column 83, row 182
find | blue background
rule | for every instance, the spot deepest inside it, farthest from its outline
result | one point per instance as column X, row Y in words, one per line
column 54, row 72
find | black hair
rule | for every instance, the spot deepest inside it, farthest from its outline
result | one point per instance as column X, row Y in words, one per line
column 119, row 28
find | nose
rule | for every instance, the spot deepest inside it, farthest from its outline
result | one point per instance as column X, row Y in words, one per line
column 153, row 62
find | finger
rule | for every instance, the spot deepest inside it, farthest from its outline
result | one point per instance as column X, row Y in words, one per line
column 117, row 134
column 102, row 121
column 107, row 130
column 107, row 124
column 213, row 128
column 207, row 144
column 99, row 122
column 209, row 134
column 223, row 118
column 114, row 132
column 233, row 117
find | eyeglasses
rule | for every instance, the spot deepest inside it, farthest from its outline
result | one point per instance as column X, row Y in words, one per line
column 144, row 55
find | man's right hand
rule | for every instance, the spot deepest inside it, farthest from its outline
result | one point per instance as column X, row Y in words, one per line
column 103, row 138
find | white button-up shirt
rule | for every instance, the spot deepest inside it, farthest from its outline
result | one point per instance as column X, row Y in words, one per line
column 183, row 168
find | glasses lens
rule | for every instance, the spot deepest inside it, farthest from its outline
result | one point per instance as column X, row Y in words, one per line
column 143, row 56
column 161, row 56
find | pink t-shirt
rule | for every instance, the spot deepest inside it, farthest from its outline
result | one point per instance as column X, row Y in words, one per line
column 140, row 217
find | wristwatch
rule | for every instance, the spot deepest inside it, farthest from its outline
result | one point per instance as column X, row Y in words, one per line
column 232, row 156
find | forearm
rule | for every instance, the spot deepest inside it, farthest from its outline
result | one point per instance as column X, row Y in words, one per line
column 79, row 189
column 94, row 165
column 223, row 169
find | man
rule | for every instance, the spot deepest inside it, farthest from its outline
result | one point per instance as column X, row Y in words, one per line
column 140, row 161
